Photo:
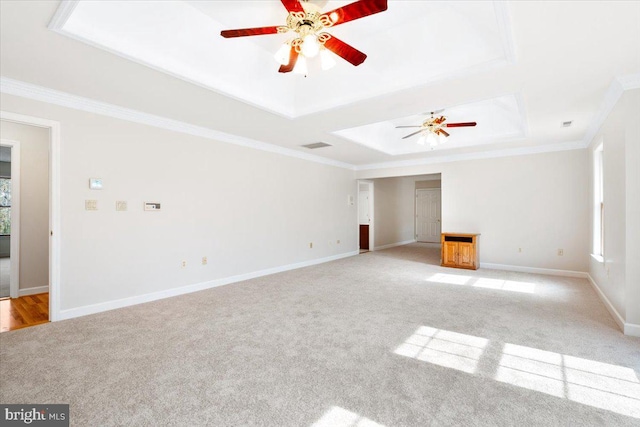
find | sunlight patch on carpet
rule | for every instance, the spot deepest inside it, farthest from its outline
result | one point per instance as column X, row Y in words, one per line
column 340, row 417
column 483, row 282
column 444, row 348
column 601, row 385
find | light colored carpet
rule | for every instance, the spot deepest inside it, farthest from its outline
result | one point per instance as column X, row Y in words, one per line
column 384, row 338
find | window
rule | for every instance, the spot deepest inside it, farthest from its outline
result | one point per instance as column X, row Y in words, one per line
column 5, row 206
column 598, row 198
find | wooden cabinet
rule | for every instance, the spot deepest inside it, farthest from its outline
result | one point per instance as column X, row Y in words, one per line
column 460, row 250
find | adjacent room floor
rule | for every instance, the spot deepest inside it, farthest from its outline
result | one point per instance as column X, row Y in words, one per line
column 385, row 338
column 25, row 311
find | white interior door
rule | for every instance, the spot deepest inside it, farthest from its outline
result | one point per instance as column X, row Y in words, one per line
column 364, row 217
column 428, row 205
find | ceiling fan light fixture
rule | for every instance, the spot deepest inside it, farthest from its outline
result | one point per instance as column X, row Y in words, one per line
column 301, row 66
column 432, row 140
column 283, row 55
column 310, row 46
column 326, row 60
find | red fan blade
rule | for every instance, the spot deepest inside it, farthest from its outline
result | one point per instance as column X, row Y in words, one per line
column 292, row 5
column 356, row 10
column 411, row 134
column 293, row 58
column 249, row 32
column 349, row 53
column 442, row 131
column 459, row 125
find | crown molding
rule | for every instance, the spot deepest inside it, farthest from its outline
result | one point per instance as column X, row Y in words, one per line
column 629, row 81
column 519, row 151
column 63, row 99
column 611, row 97
column 63, row 13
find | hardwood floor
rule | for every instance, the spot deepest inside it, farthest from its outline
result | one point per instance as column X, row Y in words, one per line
column 23, row 312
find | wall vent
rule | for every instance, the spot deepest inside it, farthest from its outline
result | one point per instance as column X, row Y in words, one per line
column 567, row 124
column 316, row 145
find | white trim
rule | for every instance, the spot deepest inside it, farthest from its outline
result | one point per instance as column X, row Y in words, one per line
column 611, row 97
column 34, row 290
column 393, row 245
column 14, row 239
column 632, row 329
column 519, row 151
column 535, row 270
column 503, row 19
column 598, row 258
column 51, row 96
column 139, row 299
column 63, row 13
column 612, row 310
column 629, row 81
column 54, row 203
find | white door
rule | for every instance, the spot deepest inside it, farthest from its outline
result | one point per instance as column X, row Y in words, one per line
column 363, row 208
column 428, row 226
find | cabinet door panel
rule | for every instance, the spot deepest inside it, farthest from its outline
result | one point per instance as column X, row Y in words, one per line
column 466, row 256
column 449, row 250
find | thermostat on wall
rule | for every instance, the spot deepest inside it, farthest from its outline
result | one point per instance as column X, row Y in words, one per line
column 95, row 183
column 151, row 206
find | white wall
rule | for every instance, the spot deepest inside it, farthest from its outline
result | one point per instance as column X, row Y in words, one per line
column 245, row 210
column 534, row 202
column 618, row 277
column 394, row 211
column 34, row 201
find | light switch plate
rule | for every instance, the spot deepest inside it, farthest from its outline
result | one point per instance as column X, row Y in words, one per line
column 121, row 205
column 95, row 183
column 91, row 205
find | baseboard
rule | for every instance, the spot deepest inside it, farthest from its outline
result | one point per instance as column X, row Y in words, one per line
column 612, row 310
column 630, row 329
column 547, row 271
column 393, row 245
column 139, row 299
column 33, row 291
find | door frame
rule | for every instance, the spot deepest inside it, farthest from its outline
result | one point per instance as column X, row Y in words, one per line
column 54, row 203
column 14, row 238
column 415, row 216
column 370, row 187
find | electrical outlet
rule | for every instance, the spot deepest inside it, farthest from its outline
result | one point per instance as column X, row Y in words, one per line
column 204, row 260
column 311, row 245
column 91, row 205
column 184, row 264
column 121, row 205
column 560, row 252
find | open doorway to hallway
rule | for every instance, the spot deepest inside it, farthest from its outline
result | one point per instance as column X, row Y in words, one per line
column 365, row 216
column 24, row 225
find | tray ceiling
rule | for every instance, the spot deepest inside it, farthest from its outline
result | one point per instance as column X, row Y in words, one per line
column 410, row 44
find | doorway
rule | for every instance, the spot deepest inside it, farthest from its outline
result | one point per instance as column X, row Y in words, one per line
column 428, row 215
column 30, row 220
column 9, row 218
column 365, row 216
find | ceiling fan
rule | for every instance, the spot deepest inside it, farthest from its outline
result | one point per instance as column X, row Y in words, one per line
column 433, row 127
column 306, row 20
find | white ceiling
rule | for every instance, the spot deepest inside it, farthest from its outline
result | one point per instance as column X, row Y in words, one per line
column 548, row 61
